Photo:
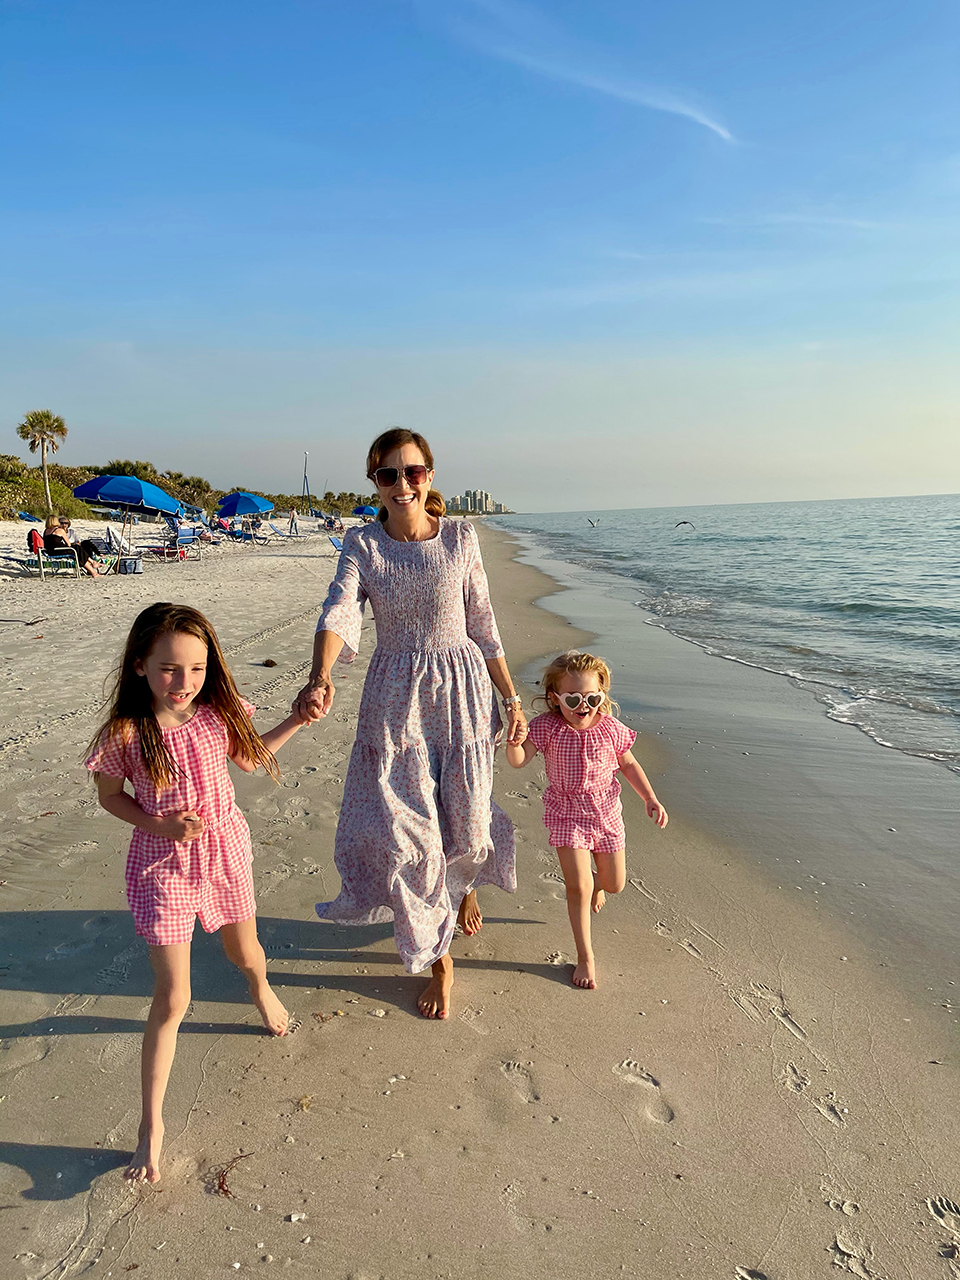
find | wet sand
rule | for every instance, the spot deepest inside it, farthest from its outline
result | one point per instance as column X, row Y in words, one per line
column 748, row 1094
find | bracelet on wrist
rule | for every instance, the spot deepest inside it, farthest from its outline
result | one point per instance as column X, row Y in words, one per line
column 513, row 701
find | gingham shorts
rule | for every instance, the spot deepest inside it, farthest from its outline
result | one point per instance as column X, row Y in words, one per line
column 584, row 823
column 169, row 884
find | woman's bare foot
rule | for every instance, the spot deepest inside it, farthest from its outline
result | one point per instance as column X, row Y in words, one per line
column 599, row 898
column 585, row 974
column 274, row 1015
column 434, row 1001
column 145, row 1165
column 468, row 917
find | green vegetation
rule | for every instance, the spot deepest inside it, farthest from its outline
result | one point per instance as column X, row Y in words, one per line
column 22, row 488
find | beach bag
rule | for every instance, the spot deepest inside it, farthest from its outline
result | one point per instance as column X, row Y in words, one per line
column 130, row 564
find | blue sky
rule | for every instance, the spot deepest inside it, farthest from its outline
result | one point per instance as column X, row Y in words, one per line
column 601, row 254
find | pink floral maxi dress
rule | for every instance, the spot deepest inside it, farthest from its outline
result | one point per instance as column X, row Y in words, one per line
column 417, row 826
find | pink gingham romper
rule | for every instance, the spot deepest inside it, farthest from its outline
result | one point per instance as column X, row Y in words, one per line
column 169, row 883
column 582, row 808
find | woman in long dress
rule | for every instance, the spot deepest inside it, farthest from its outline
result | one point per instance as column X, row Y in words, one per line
column 418, row 830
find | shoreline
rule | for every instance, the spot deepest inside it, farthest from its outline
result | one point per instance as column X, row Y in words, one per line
column 866, row 833
column 747, row 1089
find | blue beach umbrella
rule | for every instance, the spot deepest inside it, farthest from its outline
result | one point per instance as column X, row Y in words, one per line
column 127, row 492
column 242, row 504
column 364, row 511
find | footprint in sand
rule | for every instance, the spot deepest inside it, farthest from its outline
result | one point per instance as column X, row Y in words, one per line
column 518, row 795
column 67, row 949
column 793, row 1078
column 640, row 887
column 656, row 1106
column 118, row 1051
column 117, row 972
column 947, row 1214
column 518, row 1073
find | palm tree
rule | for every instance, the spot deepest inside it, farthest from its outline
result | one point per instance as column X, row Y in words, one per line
column 43, row 430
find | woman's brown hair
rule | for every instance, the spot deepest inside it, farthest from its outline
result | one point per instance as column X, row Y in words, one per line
column 131, row 705
column 575, row 663
column 384, row 445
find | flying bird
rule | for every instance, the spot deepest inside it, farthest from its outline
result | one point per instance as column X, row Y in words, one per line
column 680, row 522
column 593, row 523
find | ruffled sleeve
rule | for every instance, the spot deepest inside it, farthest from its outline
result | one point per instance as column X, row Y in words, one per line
column 481, row 624
column 540, row 729
column 622, row 737
column 342, row 611
column 109, row 757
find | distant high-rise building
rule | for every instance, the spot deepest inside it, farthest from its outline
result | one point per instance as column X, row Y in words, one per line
column 476, row 501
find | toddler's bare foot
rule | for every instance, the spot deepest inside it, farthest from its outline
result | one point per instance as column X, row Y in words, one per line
column 434, row 1001
column 599, row 898
column 145, row 1165
column 468, row 917
column 585, row 975
column 274, row 1015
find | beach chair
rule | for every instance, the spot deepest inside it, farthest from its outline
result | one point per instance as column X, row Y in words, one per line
column 125, row 558
column 43, row 562
column 212, row 540
column 336, row 543
column 281, row 534
column 186, row 545
column 25, row 515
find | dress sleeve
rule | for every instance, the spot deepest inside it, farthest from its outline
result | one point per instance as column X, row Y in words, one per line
column 248, row 707
column 538, row 731
column 623, row 738
column 342, row 611
column 481, row 624
column 109, row 757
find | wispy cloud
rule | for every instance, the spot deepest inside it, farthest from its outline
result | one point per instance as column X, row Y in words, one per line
column 522, row 36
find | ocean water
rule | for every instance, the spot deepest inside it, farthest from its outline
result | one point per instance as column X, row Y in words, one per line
column 857, row 601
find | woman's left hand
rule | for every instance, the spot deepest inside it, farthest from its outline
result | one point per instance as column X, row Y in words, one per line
column 516, row 724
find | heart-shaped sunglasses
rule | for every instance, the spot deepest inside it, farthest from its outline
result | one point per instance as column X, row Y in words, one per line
column 573, row 700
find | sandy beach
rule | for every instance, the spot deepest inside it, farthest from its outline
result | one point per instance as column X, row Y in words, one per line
column 763, row 1087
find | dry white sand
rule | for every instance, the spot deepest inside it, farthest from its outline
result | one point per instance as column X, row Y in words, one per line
column 746, row 1095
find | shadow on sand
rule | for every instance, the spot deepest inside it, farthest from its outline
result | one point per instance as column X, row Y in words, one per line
column 98, row 954
column 59, row 1173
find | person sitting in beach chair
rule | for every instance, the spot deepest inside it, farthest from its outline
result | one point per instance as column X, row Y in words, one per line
column 38, row 561
column 56, row 543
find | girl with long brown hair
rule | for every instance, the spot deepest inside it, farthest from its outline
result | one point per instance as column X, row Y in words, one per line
column 175, row 719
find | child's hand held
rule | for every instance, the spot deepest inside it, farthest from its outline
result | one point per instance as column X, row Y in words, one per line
column 314, row 700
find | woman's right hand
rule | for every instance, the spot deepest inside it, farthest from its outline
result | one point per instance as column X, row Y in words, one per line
column 314, row 700
column 183, row 826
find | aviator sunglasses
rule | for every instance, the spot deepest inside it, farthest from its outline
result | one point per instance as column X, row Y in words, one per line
column 387, row 477
column 573, row 700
